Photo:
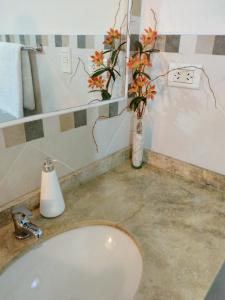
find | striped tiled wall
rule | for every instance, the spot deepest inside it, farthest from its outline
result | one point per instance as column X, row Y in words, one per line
column 28, row 131
column 22, row 133
column 205, row 44
column 57, row 41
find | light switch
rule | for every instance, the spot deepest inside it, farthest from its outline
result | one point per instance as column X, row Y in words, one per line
column 66, row 64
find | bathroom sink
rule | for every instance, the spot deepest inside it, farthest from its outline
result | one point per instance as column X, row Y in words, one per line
column 89, row 263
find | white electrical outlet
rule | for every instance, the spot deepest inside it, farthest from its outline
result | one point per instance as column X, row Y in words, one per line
column 185, row 75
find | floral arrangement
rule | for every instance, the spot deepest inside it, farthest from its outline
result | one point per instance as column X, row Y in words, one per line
column 141, row 88
column 106, row 65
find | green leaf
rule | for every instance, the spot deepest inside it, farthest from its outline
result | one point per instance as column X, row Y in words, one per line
column 116, row 72
column 135, row 74
column 151, row 51
column 107, row 51
column 146, row 75
column 94, row 91
column 112, row 74
column 105, row 95
column 113, row 56
column 136, row 101
column 121, row 45
column 99, row 72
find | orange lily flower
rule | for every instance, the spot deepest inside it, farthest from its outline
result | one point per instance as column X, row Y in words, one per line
column 108, row 40
column 145, row 60
column 151, row 92
column 113, row 34
column 141, row 81
column 96, row 82
column 134, row 62
column 149, row 37
column 133, row 89
column 98, row 58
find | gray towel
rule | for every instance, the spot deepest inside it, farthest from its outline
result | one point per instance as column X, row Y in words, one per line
column 28, row 90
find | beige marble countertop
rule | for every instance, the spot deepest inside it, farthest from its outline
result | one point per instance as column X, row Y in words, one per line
column 180, row 227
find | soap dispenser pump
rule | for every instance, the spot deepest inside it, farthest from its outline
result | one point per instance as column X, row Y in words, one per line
column 51, row 198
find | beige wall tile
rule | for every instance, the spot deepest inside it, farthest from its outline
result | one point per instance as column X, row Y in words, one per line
column 2, row 140
column 161, row 42
column 14, row 135
column 205, row 44
column 90, row 41
column 51, row 126
column 104, row 110
column 188, row 44
column 44, row 40
column 65, row 40
column 66, row 121
column 136, row 8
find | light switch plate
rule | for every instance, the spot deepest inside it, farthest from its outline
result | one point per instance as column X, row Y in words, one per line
column 185, row 75
column 66, row 63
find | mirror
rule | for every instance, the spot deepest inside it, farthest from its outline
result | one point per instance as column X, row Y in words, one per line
column 49, row 63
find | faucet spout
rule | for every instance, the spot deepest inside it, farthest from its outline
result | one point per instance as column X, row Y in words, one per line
column 24, row 229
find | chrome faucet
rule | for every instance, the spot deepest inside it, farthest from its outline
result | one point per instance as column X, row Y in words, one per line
column 24, row 229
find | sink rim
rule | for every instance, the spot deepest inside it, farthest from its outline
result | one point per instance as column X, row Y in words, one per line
column 35, row 243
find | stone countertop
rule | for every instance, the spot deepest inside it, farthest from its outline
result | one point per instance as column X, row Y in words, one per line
column 180, row 227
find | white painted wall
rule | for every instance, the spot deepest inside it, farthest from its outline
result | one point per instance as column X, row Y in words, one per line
column 186, row 17
column 58, row 16
column 183, row 123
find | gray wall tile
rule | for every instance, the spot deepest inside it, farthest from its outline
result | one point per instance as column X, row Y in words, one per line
column 133, row 39
column 113, row 109
column 58, row 40
column 27, row 40
column 7, row 38
column 22, row 39
column 38, row 39
column 80, row 118
column 81, row 41
column 34, row 130
column 172, row 43
column 219, row 45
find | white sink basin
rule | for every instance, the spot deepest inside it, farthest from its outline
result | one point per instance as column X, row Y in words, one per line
column 88, row 263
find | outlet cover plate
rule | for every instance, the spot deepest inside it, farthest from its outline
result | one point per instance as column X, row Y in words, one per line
column 185, row 75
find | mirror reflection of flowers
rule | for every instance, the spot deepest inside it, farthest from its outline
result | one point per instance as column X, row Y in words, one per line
column 141, row 88
column 106, row 69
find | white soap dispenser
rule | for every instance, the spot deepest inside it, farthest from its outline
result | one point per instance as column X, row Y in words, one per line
column 51, row 199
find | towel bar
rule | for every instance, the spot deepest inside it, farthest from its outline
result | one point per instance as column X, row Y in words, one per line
column 35, row 49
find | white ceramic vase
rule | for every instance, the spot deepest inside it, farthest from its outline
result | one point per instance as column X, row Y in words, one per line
column 138, row 143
